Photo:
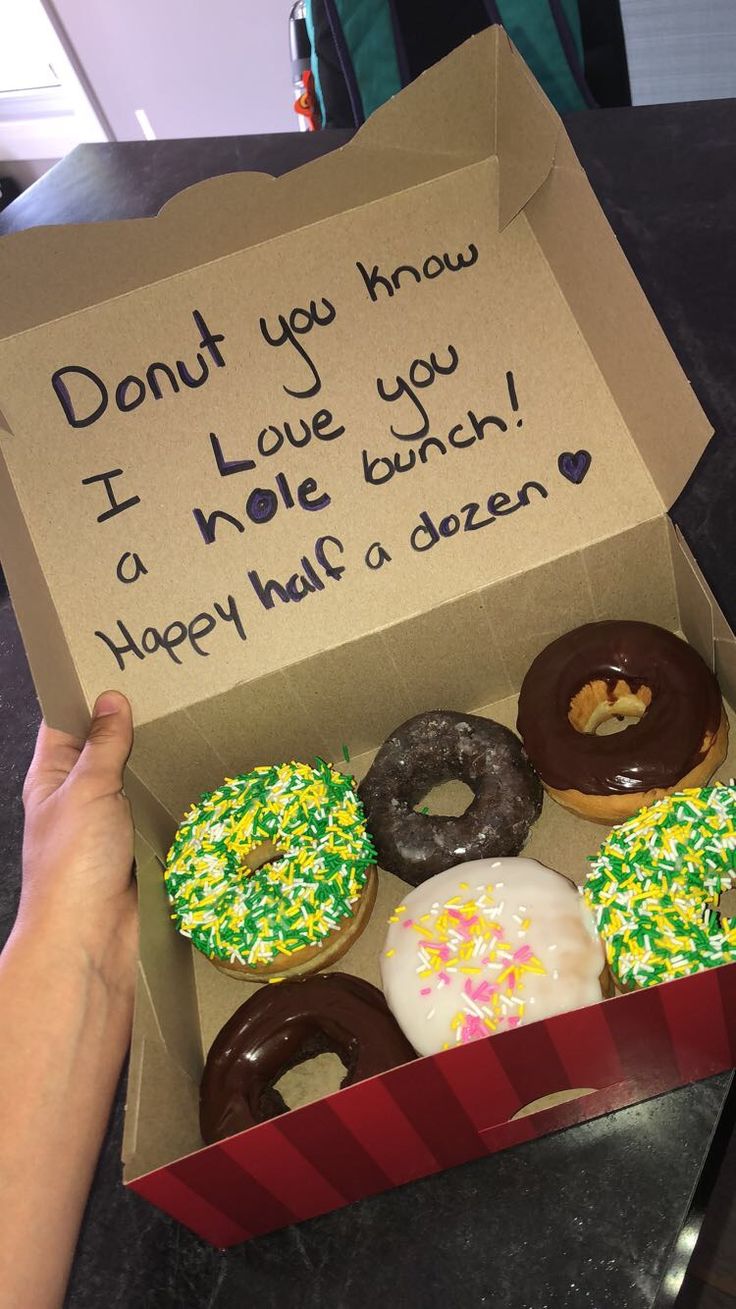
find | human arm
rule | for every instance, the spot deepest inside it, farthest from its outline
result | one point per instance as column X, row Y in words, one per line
column 66, row 995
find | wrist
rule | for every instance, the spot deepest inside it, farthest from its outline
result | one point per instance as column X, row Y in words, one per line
column 101, row 949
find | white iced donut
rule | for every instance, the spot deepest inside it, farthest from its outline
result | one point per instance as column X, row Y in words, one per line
column 485, row 946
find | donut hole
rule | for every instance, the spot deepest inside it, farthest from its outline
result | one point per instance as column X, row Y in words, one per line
column 726, row 906
column 316, row 1074
column 260, row 855
column 450, row 799
column 598, row 709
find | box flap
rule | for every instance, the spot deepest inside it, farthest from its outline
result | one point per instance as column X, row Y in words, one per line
column 656, row 402
column 52, row 667
column 304, row 442
column 445, row 119
column 701, row 618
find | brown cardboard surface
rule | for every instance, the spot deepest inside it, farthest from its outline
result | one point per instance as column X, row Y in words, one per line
column 645, row 574
column 164, row 452
column 702, row 617
column 487, row 428
column 393, row 150
column 696, row 604
column 546, row 443
column 665, row 420
column 52, row 667
column 473, row 650
column 558, row 839
column 165, row 969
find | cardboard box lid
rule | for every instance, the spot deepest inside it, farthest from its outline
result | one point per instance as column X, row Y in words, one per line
column 471, row 378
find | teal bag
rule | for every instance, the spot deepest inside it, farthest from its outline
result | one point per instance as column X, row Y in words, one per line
column 532, row 27
column 364, row 51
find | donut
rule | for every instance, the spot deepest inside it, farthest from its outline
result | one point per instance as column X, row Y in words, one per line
column 282, row 1025
column 273, row 873
column 486, row 946
column 620, row 670
column 655, row 884
column 436, row 747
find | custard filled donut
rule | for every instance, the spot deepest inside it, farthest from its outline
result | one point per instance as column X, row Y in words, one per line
column 620, row 670
column 437, row 747
column 273, row 873
column 486, row 946
column 655, row 886
column 279, row 1027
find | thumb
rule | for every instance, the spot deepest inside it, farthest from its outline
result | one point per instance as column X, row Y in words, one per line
column 109, row 742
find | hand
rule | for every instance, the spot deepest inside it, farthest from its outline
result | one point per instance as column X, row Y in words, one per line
column 78, row 889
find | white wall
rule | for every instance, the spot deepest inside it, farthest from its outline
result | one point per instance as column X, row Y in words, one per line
column 44, row 111
column 197, row 67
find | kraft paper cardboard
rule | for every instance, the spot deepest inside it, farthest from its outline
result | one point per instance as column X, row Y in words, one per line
column 301, row 457
column 281, row 451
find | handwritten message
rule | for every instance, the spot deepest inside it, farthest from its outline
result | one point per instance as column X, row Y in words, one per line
column 84, row 397
column 303, row 442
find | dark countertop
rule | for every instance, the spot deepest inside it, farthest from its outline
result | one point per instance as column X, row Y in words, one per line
column 586, row 1217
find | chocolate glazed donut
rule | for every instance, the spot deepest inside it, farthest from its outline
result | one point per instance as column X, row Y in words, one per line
column 620, row 669
column 280, row 1026
column 436, row 747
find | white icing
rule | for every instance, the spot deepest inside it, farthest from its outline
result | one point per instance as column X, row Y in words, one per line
column 528, row 918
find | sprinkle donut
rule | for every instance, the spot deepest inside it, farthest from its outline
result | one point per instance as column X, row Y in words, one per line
column 273, row 873
column 655, row 885
column 486, row 946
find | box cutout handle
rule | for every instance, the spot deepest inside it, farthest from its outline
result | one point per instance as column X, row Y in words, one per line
column 553, row 1100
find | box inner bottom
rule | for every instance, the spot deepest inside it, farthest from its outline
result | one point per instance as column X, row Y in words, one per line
column 558, row 839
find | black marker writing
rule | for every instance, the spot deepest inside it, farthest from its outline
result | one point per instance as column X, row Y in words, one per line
column 299, row 323
column 116, row 506
column 83, row 408
column 471, row 518
column 262, row 504
column 173, row 635
column 431, row 267
column 422, row 373
column 130, row 567
column 226, row 467
column 511, row 384
column 300, row 584
column 273, row 438
column 382, row 468
column 376, row 556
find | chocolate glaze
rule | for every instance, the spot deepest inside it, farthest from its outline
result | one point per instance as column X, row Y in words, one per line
column 436, row 747
column 280, row 1026
column 657, row 751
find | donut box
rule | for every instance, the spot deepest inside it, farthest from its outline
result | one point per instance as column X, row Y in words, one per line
column 296, row 460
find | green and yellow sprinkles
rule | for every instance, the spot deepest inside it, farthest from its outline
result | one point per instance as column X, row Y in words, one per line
column 314, row 819
column 655, row 886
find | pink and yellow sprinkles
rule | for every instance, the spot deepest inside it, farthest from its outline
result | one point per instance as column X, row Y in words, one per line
column 464, row 936
column 485, row 947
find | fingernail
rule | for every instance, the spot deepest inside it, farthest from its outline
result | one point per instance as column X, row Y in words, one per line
column 107, row 703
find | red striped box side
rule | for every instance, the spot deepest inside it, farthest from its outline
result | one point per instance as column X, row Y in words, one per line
column 375, row 1118
column 451, row 1107
column 180, row 1201
column 275, row 1163
column 727, row 989
column 695, row 1015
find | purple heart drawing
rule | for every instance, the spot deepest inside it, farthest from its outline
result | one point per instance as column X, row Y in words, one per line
column 574, row 464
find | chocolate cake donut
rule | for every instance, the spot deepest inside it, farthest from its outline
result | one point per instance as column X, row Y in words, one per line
column 282, row 1025
column 436, row 747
